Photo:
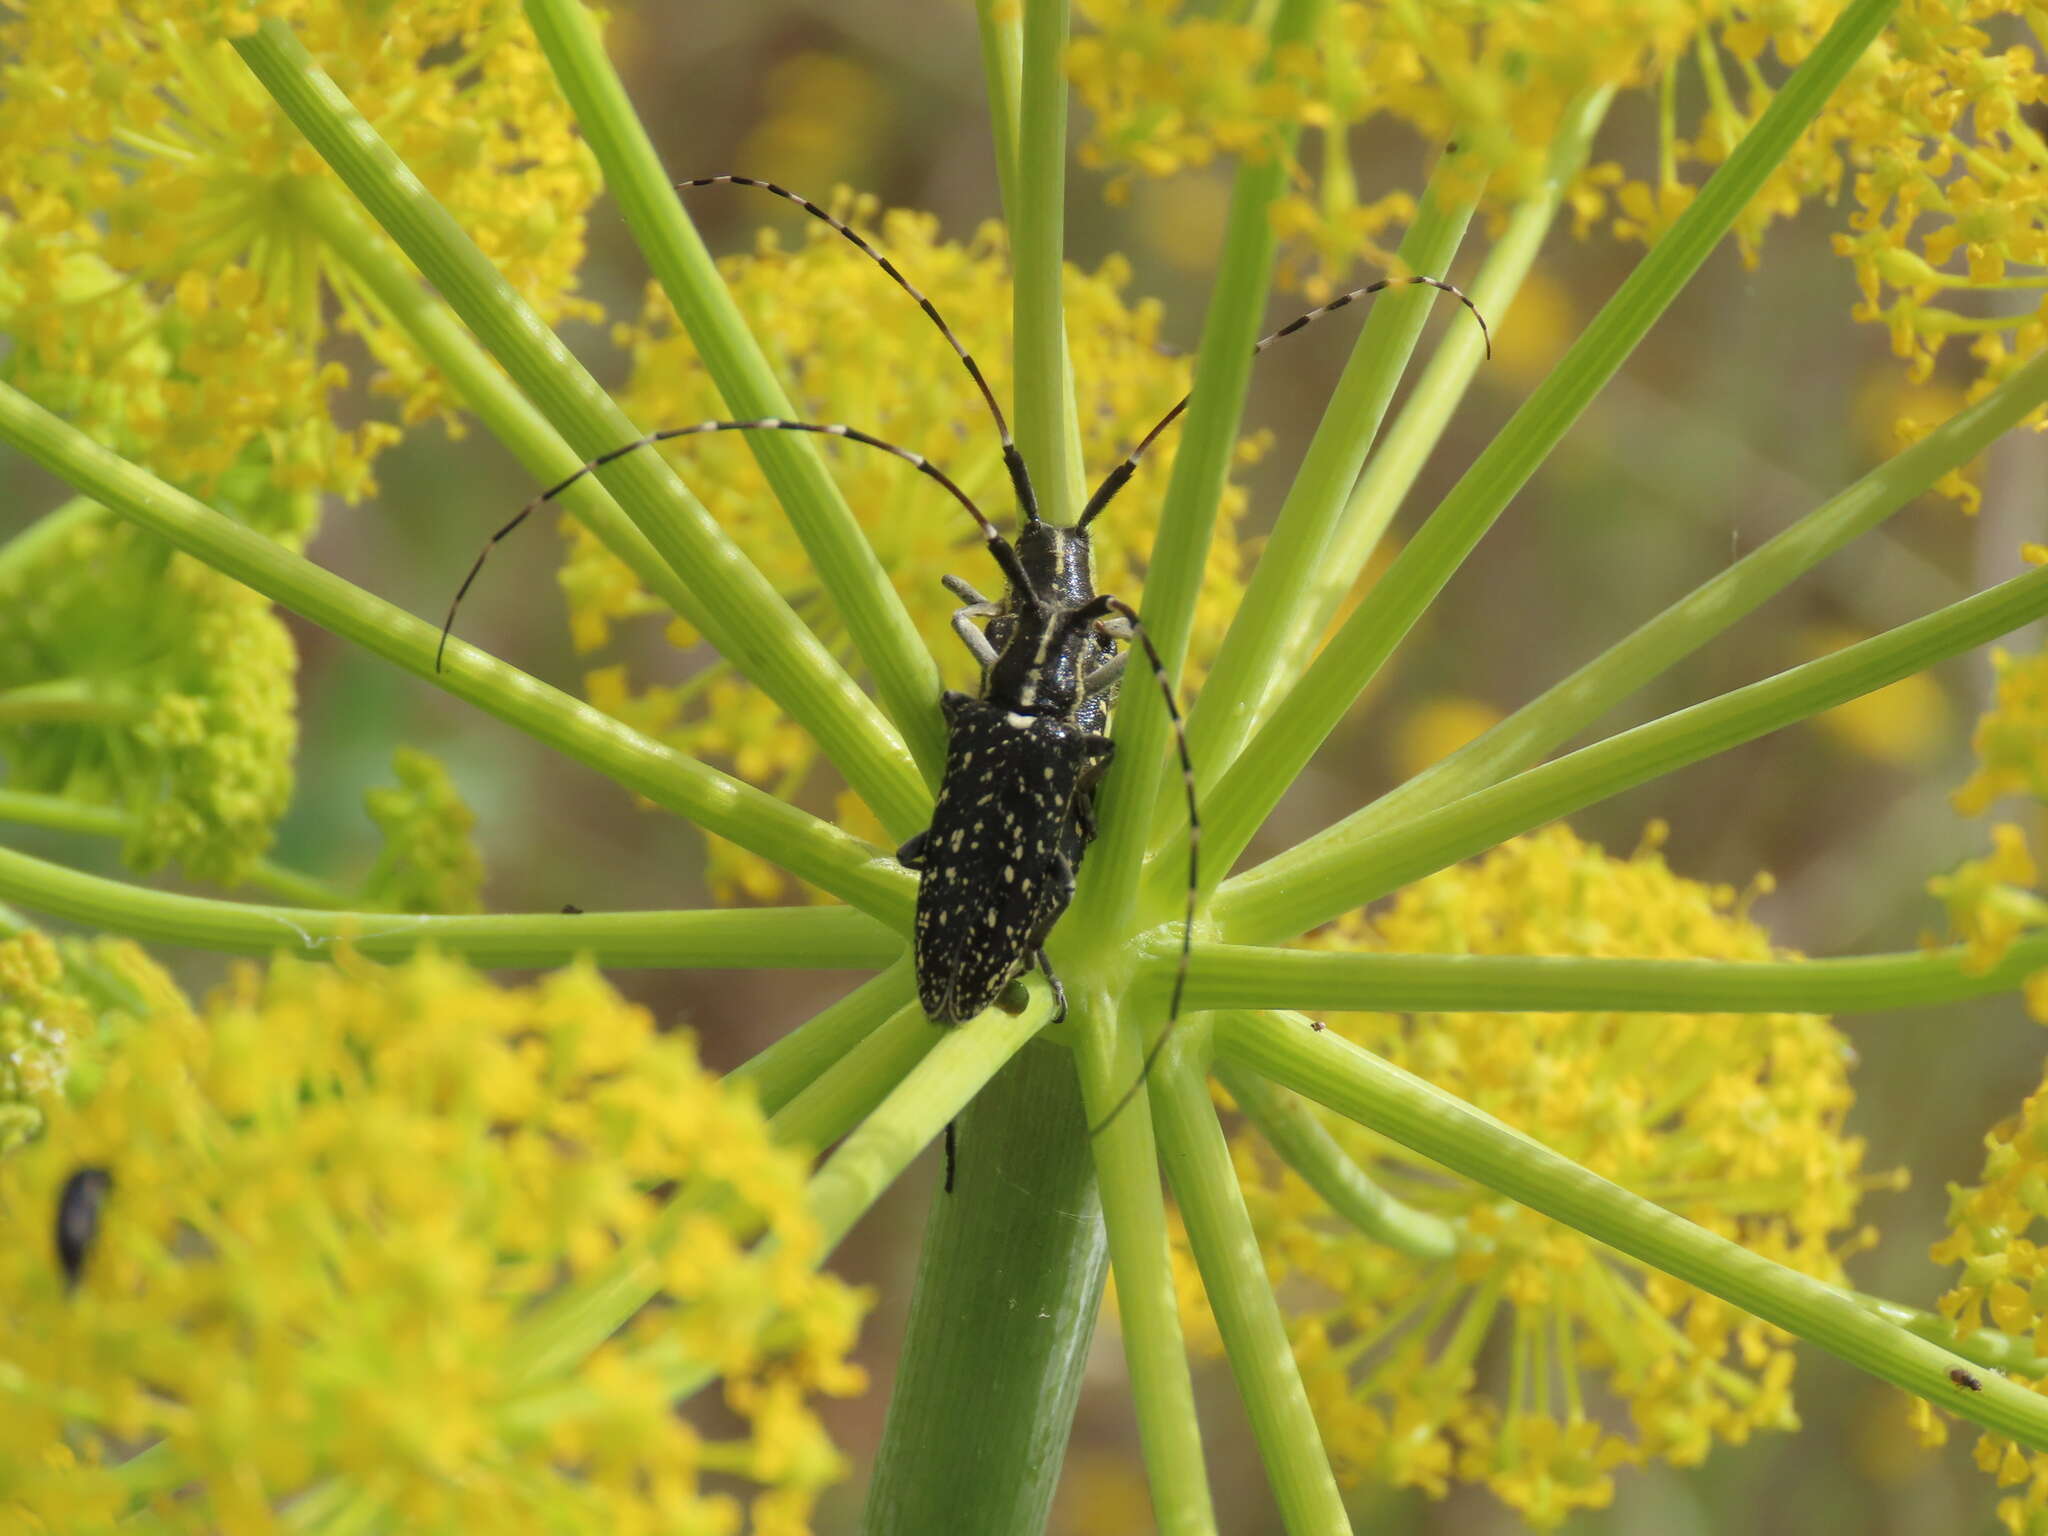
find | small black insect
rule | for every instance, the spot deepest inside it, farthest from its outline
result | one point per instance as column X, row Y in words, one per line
column 1317, row 1025
column 78, row 1219
column 1964, row 1379
column 570, row 909
column 1015, row 808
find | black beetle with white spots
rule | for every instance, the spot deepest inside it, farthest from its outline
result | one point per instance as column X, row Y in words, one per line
column 1015, row 809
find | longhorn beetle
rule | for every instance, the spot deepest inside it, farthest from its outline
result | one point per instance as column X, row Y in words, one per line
column 1015, row 809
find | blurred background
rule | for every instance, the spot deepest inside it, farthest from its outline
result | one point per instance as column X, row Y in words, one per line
column 1753, row 400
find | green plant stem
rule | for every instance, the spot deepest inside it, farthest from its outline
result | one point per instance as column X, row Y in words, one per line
column 41, row 536
column 781, row 1071
column 726, row 596
column 1297, row 894
column 1398, row 459
column 1226, row 1249
column 1002, row 71
column 1713, row 606
column 1012, row 1264
column 829, row 858
column 837, row 1099
column 824, row 938
column 1348, row 664
column 1999, row 1351
column 906, row 677
column 69, row 701
column 478, row 382
column 1107, row 900
column 1127, row 1174
column 1442, row 1127
column 1236, row 976
column 1292, row 1131
column 575, row 1320
column 66, row 815
column 1248, row 665
column 1037, row 244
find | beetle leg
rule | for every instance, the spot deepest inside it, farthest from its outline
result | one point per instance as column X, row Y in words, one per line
column 959, row 587
column 1059, row 993
column 975, row 641
column 911, row 854
column 1105, row 677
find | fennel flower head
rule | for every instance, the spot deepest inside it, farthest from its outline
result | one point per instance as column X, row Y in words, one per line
column 1995, row 1232
column 1926, row 145
column 60, row 1002
column 175, row 259
column 402, row 1247
column 138, row 679
column 853, row 349
column 1520, row 1354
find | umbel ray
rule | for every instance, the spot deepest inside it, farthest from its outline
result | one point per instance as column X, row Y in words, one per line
column 1016, row 806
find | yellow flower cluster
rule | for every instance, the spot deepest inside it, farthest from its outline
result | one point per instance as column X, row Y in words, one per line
column 133, row 676
column 1994, row 900
column 59, row 1002
column 852, row 349
column 162, row 260
column 1514, row 1361
column 359, row 1223
column 1930, row 133
column 2002, row 1282
column 430, row 861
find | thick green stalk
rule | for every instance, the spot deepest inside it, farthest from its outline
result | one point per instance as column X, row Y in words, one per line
column 1237, row 976
column 823, row 938
column 1442, row 1127
column 1347, row 665
column 781, row 1071
column 1037, row 247
column 906, row 677
column 819, row 852
column 1249, row 664
column 1713, row 606
column 1293, row 1131
column 727, row 597
column 1226, row 1249
column 1008, row 1289
column 1313, row 890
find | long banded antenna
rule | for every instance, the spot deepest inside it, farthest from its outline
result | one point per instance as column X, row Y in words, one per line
column 1013, row 458
column 999, row 547
column 1115, row 480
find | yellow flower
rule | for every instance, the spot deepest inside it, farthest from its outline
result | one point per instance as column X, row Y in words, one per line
column 1929, row 136
column 134, row 676
column 60, row 1001
column 160, row 255
column 2002, row 1283
column 853, row 349
column 1990, row 901
column 338, row 1267
column 430, row 862
column 2011, row 739
column 1535, row 1360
